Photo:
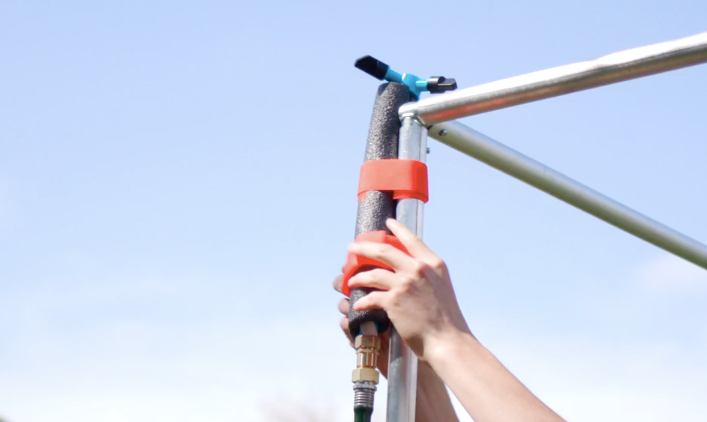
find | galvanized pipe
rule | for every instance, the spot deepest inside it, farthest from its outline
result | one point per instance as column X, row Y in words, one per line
column 509, row 161
column 402, row 362
column 617, row 67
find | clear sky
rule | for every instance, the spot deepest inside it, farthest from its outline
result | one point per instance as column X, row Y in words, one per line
column 177, row 190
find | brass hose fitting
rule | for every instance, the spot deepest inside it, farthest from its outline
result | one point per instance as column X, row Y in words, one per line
column 365, row 377
column 367, row 348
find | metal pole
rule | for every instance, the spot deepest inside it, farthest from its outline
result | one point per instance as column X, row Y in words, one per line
column 509, row 161
column 402, row 363
column 373, row 211
column 561, row 80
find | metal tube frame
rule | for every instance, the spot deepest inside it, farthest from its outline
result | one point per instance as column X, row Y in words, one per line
column 434, row 113
column 509, row 161
column 402, row 362
column 617, row 67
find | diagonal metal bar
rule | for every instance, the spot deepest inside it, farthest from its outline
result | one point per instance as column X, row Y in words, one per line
column 617, row 67
column 509, row 161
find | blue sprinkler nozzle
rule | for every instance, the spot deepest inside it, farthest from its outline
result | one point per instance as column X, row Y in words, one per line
column 415, row 84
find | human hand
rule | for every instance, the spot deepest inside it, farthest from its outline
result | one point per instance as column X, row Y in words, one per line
column 417, row 295
column 433, row 402
column 419, row 299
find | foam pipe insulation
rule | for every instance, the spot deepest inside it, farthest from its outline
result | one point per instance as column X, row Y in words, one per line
column 378, row 206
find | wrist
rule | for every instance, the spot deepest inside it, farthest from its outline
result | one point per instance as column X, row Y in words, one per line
column 447, row 345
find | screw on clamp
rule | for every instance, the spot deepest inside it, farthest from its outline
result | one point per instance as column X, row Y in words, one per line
column 380, row 70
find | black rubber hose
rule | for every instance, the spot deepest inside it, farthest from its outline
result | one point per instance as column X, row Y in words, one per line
column 362, row 414
column 378, row 206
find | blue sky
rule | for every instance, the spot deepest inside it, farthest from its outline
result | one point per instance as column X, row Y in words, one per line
column 177, row 190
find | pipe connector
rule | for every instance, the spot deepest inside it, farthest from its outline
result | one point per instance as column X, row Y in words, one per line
column 410, row 110
column 365, row 376
column 367, row 348
column 364, row 395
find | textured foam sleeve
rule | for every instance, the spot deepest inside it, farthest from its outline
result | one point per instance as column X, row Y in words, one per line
column 378, row 206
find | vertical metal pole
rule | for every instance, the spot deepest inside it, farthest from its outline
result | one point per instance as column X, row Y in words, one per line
column 402, row 363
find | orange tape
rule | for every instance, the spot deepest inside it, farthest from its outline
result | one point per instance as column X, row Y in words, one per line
column 404, row 178
column 355, row 263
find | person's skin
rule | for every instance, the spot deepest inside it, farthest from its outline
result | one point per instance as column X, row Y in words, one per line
column 420, row 301
column 432, row 401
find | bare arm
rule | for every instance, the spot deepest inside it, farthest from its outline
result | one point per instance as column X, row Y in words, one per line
column 419, row 299
column 433, row 403
column 488, row 391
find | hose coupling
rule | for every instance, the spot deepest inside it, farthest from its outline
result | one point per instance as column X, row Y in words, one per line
column 367, row 348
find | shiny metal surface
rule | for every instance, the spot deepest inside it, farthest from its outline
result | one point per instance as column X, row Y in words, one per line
column 402, row 381
column 509, row 161
column 402, row 362
column 367, row 348
column 364, row 394
column 412, row 145
column 617, row 67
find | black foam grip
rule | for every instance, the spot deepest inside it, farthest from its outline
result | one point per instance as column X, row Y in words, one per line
column 378, row 206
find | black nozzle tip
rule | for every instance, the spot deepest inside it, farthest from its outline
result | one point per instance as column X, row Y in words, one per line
column 441, row 84
column 372, row 66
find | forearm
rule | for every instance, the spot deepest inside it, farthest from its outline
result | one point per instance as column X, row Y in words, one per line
column 433, row 402
column 486, row 389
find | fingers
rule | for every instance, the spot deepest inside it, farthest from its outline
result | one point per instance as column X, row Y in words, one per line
column 373, row 300
column 344, row 307
column 344, row 324
column 412, row 243
column 376, row 279
column 337, row 283
column 381, row 252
